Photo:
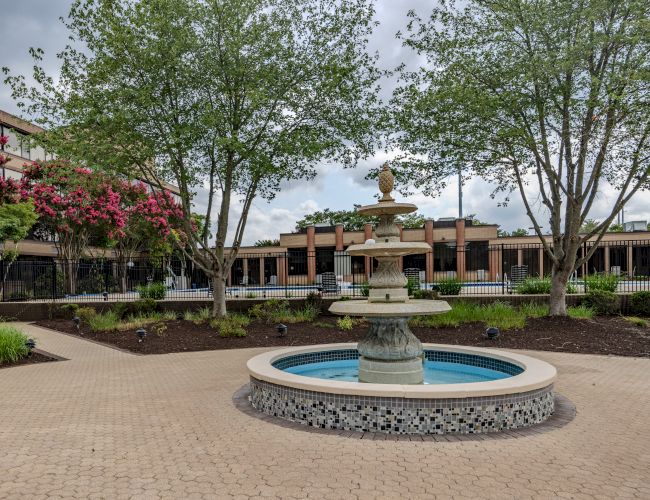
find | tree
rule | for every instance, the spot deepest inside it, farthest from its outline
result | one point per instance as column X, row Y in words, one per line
column 589, row 225
column 517, row 232
column 73, row 202
column 267, row 243
column 233, row 96
column 546, row 94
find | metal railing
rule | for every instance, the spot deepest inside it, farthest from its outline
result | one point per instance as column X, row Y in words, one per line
column 477, row 269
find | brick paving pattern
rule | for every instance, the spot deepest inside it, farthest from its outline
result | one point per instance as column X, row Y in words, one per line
column 108, row 424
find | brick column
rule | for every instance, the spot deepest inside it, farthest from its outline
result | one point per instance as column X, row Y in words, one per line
column 541, row 262
column 311, row 254
column 367, row 234
column 339, row 237
column 282, row 269
column 630, row 261
column 460, row 248
column 428, row 238
column 607, row 259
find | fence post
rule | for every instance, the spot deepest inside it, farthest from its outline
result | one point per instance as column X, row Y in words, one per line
column 4, row 284
column 106, row 276
column 503, row 272
column 53, row 280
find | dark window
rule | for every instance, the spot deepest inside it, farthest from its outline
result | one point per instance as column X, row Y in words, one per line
column 476, row 256
column 417, row 261
column 325, row 260
column 509, row 256
column 641, row 260
column 618, row 258
column 237, row 272
column 297, row 261
column 358, row 263
column 270, row 268
column 530, row 257
column 596, row 263
column 444, row 256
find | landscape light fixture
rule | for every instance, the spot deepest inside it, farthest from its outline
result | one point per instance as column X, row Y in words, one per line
column 76, row 321
column 141, row 333
column 105, row 295
column 281, row 329
column 492, row 332
column 180, row 316
column 30, row 344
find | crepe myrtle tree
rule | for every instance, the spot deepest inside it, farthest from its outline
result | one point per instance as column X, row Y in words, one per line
column 72, row 202
column 549, row 98
column 229, row 98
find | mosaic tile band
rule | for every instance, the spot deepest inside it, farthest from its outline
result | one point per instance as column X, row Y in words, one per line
column 403, row 415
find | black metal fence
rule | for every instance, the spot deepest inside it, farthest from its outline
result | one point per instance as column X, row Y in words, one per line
column 475, row 269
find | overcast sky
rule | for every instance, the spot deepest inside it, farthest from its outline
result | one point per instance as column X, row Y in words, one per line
column 35, row 23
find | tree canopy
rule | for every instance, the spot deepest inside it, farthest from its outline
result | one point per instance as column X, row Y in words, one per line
column 231, row 97
column 548, row 95
column 352, row 221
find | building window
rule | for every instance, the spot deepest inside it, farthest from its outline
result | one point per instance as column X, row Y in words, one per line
column 417, row 261
column 13, row 145
column 444, row 256
column 476, row 256
column 297, row 261
column 641, row 260
column 530, row 257
column 617, row 259
column 325, row 260
column 358, row 263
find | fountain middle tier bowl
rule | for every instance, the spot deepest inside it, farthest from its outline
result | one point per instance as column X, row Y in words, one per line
column 389, row 249
column 419, row 307
column 472, row 390
column 387, row 208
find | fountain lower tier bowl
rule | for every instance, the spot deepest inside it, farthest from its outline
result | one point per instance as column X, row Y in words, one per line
column 389, row 309
column 473, row 390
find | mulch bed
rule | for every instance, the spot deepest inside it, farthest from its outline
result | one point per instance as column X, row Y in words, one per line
column 34, row 357
column 602, row 335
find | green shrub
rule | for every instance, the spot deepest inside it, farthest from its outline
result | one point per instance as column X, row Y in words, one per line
column 251, row 295
column 602, row 302
column 314, row 300
column 449, row 286
column 534, row 310
column 580, row 312
column 45, row 287
column 364, row 288
column 69, row 310
column 605, row 282
column 640, row 322
column 120, row 309
column 639, row 303
column 86, row 314
column 156, row 291
column 199, row 316
column 539, row 286
column 267, row 309
column 232, row 325
column 412, row 286
column 143, row 307
column 344, row 298
column 345, row 323
column 425, row 294
column 106, row 321
column 12, row 344
column 322, row 324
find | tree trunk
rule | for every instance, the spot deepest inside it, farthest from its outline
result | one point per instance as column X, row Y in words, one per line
column 218, row 294
column 558, row 291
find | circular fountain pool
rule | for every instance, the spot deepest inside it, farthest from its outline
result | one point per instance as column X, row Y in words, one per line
column 470, row 390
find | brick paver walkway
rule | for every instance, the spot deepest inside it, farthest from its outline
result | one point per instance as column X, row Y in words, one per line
column 107, row 424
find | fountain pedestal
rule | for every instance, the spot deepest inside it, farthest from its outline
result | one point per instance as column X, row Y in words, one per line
column 390, row 353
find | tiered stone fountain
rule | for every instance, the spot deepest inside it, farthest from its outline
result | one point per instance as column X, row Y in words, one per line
column 390, row 353
column 389, row 382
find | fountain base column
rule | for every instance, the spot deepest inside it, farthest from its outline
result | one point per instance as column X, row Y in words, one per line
column 390, row 353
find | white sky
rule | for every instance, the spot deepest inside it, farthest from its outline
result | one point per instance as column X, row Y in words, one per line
column 35, row 23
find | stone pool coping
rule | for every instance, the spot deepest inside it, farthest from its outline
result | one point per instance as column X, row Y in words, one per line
column 537, row 374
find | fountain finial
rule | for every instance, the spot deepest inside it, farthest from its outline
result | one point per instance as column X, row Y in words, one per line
column 386, row 183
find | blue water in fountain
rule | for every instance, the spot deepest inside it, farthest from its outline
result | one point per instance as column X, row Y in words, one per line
column 435, row 372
